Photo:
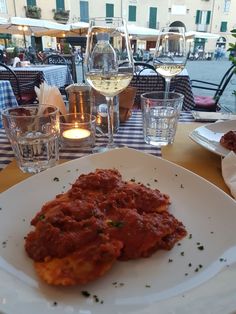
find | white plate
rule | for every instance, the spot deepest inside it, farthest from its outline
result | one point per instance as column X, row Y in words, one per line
column 169, row 281
column 209, row 136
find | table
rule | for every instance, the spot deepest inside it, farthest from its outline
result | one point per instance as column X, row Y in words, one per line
column 220, row 288
column 130, row 134
column 55, row 75
column 7, row 97
column 183, row 152
column 149, row 81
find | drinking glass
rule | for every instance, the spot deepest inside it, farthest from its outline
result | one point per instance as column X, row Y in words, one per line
column 33, row 132
column 170, row 54
column 108, row 64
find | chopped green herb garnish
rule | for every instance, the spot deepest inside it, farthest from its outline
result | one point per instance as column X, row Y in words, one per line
column 182, row 253
column 56, row 179
column 147, row 286
column 42, row 217
column 201, row 247
column 117, row 224
column 85, row 293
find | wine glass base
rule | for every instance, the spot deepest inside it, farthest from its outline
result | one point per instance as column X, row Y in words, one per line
column 103, row 149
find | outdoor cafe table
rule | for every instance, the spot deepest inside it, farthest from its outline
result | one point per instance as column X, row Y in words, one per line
column 7, row 97
column 55, row 75
column 183, row 152
column 149, row 81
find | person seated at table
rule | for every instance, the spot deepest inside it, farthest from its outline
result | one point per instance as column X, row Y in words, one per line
column 31, row 55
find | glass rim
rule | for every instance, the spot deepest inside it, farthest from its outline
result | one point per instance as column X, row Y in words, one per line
column 91, row 118
column 6, row 112
column 145, row 96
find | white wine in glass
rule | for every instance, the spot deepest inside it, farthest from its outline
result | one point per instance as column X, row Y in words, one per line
column 108, row 63
column 170, row 54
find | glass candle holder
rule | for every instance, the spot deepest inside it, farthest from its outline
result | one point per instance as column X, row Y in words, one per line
column 78, row 129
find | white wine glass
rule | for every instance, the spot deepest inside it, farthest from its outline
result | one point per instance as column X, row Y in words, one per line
column 108, row 64
column 170, row 54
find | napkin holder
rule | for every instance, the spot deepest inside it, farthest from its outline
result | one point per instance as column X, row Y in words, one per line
column 79, row 96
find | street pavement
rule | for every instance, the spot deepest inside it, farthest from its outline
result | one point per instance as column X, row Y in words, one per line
column 210, row 71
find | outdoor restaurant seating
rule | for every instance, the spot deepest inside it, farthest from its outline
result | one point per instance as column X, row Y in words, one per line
column 26, row 97
column 57, row 59
column 146, row 79
column 211, row 103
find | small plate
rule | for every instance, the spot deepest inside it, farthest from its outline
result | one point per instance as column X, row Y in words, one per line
column 209, row 135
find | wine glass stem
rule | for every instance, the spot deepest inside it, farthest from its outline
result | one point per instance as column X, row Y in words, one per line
column 110, row 121
column 167, row 87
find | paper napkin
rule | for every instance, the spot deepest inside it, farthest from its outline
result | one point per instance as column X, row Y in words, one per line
column 50, row 95
column 228, row 166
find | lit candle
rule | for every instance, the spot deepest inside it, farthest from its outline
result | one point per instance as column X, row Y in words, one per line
column 76, row 134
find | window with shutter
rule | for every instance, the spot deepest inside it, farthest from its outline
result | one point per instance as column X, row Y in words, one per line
column 31, row 3
column 223, row 27
column 153, row 17
column 198, row 17
column 84, row 11
column 132, row 13
column 109, row 9
column 3, row 6
column 208, row 17
column 226, row 5
column 60, row 5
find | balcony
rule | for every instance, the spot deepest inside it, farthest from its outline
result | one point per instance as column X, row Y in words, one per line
column 61, row 16
column 33, row 12
column 202, row 27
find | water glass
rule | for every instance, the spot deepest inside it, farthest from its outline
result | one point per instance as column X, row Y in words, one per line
column 160, row 117
column 33, row 132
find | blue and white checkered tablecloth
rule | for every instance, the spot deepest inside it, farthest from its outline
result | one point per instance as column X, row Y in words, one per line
column 7, row 97
column 150, row 83
column 130, row 134
column 54, row 75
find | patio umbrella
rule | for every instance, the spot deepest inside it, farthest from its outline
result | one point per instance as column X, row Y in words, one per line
column 142, row 32
column 69, row 30
column 26, row 26
column 192, row 34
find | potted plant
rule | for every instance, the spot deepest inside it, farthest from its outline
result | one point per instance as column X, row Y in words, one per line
column 61, row 15
column 33, row 12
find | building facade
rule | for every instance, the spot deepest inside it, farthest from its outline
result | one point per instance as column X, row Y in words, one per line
column 214, row 16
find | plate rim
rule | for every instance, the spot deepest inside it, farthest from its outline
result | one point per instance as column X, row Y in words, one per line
column 204, row 142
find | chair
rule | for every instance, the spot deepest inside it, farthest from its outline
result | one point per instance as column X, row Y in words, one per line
column 28, row 96
column 146, row 79
column 211, row 103
column 56, row 59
